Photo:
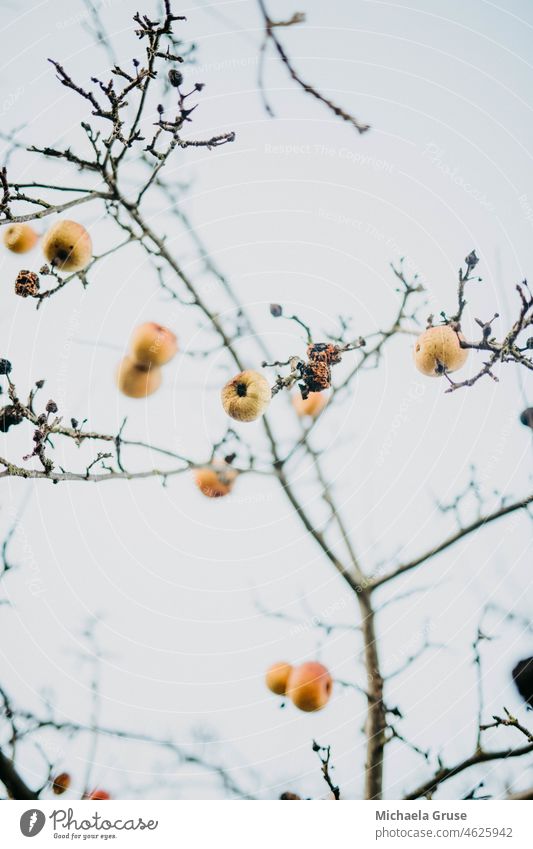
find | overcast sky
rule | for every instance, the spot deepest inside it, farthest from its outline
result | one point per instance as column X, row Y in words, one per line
column 299, row 210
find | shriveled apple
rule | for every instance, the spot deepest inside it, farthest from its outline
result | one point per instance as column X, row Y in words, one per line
column 246, row 396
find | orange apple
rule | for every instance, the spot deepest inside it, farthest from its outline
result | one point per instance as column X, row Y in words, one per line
column 98, row 796
column 68, row 246
column 309, row 686
column 312, row 406
column 216, row 480
column 277, row 676
column 137, row 381
column 20, row 238
column 61, row 783
column 152, row 344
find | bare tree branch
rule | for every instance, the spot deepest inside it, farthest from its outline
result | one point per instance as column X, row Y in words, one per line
column 270, row 35
column 481, row 522
column 428, row 788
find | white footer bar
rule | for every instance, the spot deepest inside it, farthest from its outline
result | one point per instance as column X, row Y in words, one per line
column 267, row 825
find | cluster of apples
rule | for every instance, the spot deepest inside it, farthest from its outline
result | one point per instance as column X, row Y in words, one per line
column 246, row 397
column 308, row 686
column 67, row 245
column 151, row 346
column 217, row 479
column 62, row 782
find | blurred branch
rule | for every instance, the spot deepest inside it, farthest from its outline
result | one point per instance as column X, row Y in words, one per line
column 428, row 788
column 521, row 795
column 12, row 781
column 509, row 722
column 34, row 723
